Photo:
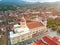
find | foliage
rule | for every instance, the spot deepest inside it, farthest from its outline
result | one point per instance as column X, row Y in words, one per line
column 7, row 7
column 58, row 30
column 52, row 23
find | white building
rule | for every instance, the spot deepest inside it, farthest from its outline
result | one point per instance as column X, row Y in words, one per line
column 25, row 31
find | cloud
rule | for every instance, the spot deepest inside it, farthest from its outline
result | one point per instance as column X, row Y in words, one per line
column 41, row 0
column 32, row 0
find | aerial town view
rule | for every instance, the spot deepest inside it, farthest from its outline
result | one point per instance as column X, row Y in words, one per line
column 29, row 22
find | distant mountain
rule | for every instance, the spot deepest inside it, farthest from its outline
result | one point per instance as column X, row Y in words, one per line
column 22, row 4
column 14, row 2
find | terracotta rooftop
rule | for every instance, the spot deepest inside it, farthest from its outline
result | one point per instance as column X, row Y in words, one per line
column 32, row 25
column 48, row 39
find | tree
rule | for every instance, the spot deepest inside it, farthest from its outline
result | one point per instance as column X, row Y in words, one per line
column 58, row 30
column 52, row 23
column 54, row 27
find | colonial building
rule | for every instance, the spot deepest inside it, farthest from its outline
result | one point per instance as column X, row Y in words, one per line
column 24, row 31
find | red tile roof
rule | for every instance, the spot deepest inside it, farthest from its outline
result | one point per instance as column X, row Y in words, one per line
column 50, row 41
column 39, row 42
column 42, row 44
column 55, row 38
column 32, row 25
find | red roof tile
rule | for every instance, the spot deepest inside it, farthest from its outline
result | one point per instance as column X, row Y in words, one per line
column 42, row 44
column 55, row 38
column 32, row 25
column 38, row 41
column 50, row 41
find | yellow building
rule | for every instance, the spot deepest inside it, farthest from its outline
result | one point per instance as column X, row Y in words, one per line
column 26, row 31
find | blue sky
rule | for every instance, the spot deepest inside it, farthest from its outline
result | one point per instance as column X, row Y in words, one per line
column 41, row 0
column 33, row 0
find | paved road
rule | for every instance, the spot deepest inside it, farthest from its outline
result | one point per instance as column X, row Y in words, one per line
column 53, row 33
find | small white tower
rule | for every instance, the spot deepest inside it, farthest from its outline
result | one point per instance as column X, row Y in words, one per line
column 42, row 20
column 36, row 18
column 22, row 21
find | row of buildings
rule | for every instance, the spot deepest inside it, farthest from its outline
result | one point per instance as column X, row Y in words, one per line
column 28, row 27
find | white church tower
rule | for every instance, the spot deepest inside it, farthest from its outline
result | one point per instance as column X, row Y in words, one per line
column 42, row 20
column 22, row 21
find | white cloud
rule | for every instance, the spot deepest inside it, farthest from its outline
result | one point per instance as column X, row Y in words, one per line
column 41, row 0
column 32, row 0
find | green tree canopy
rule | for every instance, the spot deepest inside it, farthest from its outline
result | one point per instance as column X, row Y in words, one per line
column 52, row 23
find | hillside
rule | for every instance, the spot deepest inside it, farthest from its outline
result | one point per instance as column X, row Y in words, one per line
column 13, row 5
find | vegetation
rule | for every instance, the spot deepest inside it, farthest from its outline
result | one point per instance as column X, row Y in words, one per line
column 58, row 30
column 53, row 23
column 43, row 6
column 7, row 7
